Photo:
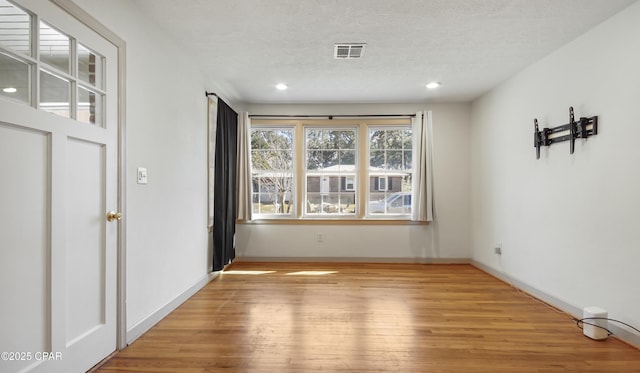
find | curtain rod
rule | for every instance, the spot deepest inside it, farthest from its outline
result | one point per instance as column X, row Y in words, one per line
column 333, row 116
column 210, row 94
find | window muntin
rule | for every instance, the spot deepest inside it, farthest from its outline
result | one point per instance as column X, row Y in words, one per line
column 330, row 156
column 390, row 171
column 272, row 172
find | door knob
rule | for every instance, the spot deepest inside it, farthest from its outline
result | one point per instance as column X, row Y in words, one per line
column 112, row 215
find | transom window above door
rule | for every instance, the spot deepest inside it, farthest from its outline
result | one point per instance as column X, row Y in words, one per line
column 48, row 69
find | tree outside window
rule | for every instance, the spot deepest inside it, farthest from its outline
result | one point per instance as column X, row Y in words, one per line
column 272, row 168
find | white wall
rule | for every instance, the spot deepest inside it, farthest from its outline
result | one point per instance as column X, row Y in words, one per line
column 447, row 238
column 568, row 223
column 166, row 220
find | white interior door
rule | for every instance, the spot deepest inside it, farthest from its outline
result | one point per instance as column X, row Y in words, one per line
column 58, row 180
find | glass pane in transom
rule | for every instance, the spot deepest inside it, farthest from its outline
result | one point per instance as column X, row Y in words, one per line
column 14, row 79
column 15, row 26
column 54, row 47
column 90, row 67
column 54, row 94
column 90, row 107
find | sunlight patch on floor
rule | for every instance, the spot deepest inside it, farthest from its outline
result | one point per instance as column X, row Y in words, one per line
column 232, row 272
column 311, row 273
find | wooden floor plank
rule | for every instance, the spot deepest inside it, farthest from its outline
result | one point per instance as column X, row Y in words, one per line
column 291, row 317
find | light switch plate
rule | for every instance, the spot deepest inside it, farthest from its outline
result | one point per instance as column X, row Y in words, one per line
column 142, row 175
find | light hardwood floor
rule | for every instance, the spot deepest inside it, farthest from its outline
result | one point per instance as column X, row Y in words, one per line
column 367, row 318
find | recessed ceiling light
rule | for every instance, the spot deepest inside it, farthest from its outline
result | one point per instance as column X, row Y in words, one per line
column 281, row 86
column 9, row 90
column 433, row 85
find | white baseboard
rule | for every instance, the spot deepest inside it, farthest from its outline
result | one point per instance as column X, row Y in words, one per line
column 313, row 259
column 144, row 325
column 619, row 332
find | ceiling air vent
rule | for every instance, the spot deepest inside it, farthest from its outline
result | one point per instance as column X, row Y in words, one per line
column 348, row 50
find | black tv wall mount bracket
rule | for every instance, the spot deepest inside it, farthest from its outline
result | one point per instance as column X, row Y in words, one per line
column 580, row 129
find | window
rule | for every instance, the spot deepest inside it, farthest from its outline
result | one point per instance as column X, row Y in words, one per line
column 390, row 170
column 14, row 80
column 350, row 183
column 15, row 42
column 314, row 169
column 330, row 156
column 55, row 94
column 272, row 168
column 382, row 183
column 59, row 74
column 55, row 48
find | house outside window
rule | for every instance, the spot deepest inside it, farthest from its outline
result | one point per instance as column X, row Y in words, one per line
column 330, row 156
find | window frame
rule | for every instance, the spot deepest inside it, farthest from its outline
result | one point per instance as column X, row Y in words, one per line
column 388, row 187
column 361, row 176
column 294, row 190
column 325, row 188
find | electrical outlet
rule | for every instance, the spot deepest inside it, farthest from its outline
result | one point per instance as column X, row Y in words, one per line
column 320, row 237
column 498, row 249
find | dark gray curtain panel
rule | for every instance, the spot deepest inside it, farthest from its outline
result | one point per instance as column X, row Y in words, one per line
column 224, row 214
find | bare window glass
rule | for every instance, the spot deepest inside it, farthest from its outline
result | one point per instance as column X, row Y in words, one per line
column 15, row 28
column 14, row 79
column 89, row 66
column 90, row 106
column 54, row 94
column 390, row 171
column 272, row 169
column 330, row 160
column 54, row 47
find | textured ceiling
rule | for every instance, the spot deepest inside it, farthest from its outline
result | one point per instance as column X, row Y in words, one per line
column 247, row 46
